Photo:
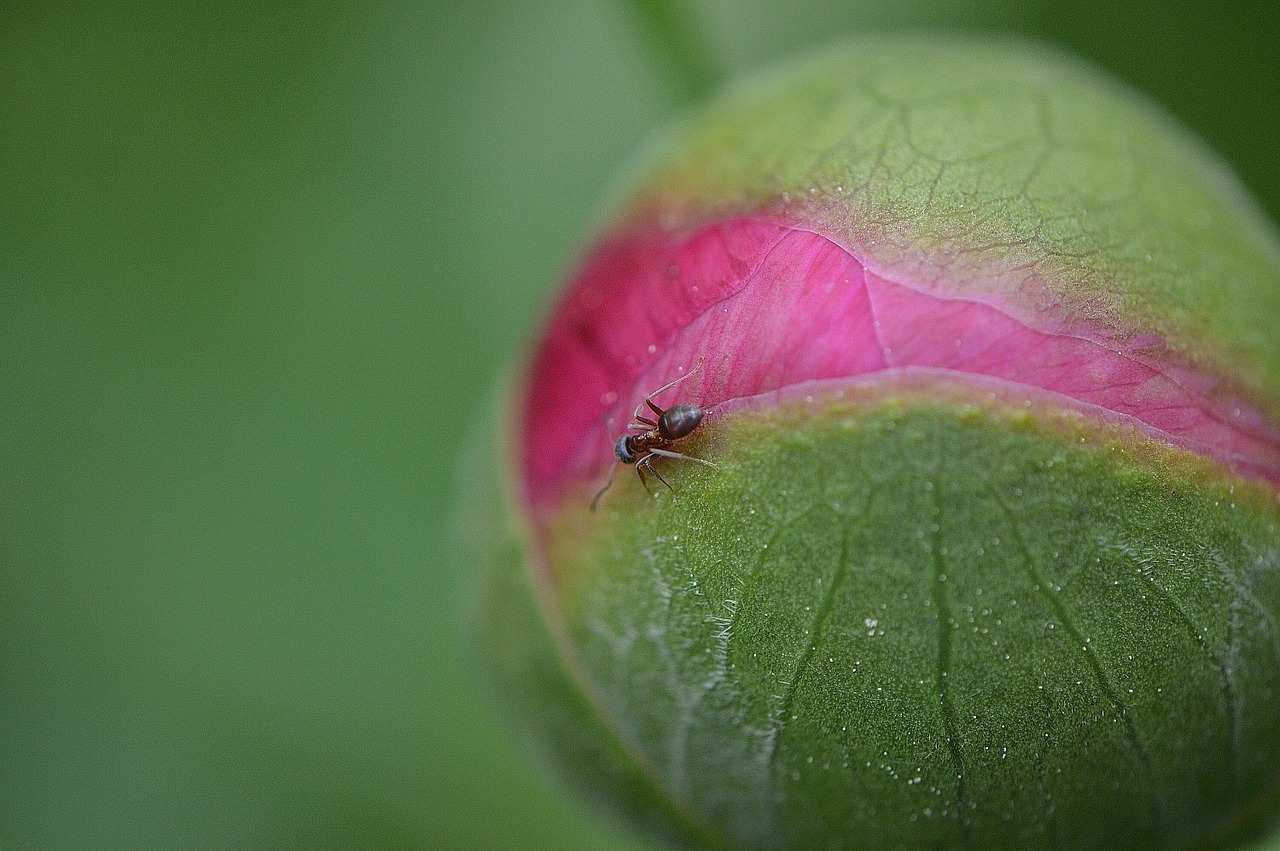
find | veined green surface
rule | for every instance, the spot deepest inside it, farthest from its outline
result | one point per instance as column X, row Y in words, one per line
column 920, row 624
column 1001, row 169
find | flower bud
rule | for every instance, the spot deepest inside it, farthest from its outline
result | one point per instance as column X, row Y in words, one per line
column 982, row 348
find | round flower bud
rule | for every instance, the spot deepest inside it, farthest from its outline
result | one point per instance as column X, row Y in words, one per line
column 938, row 388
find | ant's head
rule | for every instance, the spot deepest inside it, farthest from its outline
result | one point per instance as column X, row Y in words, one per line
column 623, row 449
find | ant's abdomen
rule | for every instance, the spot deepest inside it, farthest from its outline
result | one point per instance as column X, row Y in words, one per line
column 679, row 420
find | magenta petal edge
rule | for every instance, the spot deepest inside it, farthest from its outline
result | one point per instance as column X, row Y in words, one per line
column 770, row 305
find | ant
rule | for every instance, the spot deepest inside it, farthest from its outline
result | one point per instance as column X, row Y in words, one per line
column 656, row 437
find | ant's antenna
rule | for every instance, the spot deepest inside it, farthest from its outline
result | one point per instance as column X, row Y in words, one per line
column 607, row 484
column 608, row 425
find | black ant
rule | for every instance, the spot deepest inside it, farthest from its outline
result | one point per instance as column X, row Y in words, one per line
column 657, row 437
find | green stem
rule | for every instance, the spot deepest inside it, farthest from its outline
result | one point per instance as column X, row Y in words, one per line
column 676, row 42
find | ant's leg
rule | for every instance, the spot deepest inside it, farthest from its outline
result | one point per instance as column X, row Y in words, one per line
column 654, row 470
column 607, row 484
column 648, row 399
column 639, row 417
column 668, row 454
column 640, row 471
column 644, row 424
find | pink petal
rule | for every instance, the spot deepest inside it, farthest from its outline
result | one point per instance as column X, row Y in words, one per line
column 770, row 306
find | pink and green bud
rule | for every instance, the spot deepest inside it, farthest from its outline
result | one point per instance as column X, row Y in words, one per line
column 989, row 556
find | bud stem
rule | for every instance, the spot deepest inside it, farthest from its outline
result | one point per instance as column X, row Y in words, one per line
column 679, row 46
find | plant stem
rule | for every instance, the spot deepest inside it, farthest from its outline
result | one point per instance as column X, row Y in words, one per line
column 675, row 40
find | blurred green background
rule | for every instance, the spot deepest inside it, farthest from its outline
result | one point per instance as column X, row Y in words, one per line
column 262, row 265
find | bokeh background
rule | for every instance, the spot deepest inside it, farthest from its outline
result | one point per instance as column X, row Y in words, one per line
column 260, row 268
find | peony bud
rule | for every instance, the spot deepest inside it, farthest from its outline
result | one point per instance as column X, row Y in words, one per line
column 989, row 555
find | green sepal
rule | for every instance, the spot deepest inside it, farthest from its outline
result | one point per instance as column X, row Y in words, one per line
column 530, row 672
column 914, row 623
